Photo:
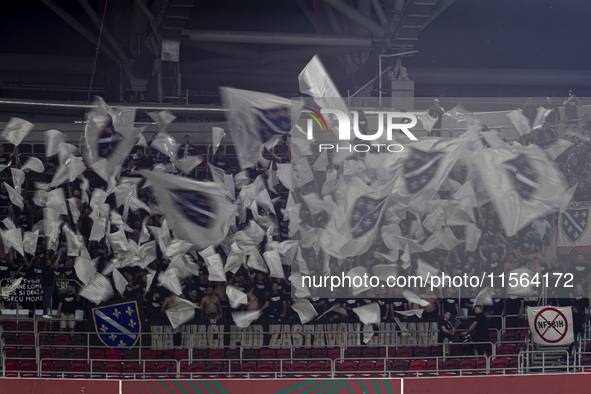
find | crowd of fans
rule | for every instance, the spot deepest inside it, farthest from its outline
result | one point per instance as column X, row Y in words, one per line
column 496, row 252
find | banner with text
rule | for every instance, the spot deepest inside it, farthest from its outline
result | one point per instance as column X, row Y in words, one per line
column 30, row 290
column 551, row 326
column 271, row 334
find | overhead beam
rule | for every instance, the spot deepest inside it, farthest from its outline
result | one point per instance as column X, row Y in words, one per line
column 105, row 32
column 357, row 17
column 81, row 29
column 250, row 37
column 267, row 58
column 223, row 49
column 377, row 7
column 310, row 15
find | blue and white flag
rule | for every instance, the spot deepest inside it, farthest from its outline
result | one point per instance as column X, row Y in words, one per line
column 257, row 120
column 118, row 325
column 197, row 212
column 522, row 183
column 354, row 225
column 110, row 137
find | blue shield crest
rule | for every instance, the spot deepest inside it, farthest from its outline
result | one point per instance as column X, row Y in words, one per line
column 272, row 121
column 108, row 140
column 523, row 176
column 420, row 168
column 196, row 206
column 366, row 213
column 574, row 223
column 118, row 325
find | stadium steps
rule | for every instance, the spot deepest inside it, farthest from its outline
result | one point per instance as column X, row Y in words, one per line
column 551, row 353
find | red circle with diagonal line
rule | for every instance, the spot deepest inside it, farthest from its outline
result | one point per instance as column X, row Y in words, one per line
column 551, row 333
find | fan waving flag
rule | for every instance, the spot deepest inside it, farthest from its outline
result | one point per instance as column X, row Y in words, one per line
column 353, row 226
column 198, row 212
column 257, row 120
column 110, row 137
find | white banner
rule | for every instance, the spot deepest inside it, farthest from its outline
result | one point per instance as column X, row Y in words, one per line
column 551, row 326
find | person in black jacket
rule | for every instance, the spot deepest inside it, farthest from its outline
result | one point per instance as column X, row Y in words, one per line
column 554, row 116
column 480, row 328
column 47, row 281
column 578, row 328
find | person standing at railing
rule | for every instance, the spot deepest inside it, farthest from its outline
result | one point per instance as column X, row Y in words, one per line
column 436, row 112
column 570, row 108
column 68, row 307
column 480, row 328
column 47, row 282
column 578, row 329
column 446, row 331
column 554, row 116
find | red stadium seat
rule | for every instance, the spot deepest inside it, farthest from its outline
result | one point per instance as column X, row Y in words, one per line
column 131, row 354
column 233, row 354
column 200, row 354
column 271, row 353
column 45, row 352
column 251, row 354
column 586, row 360
column 96, row 354
column 46, row 367
column 370, row 352
column 45, row 339
column 301, row 353
column 166, row 369
column 349, row 366
column 25, row 148
column 480, row 366
column 27, row 339
column 248, row 367
column 61, row 340
column 506, row 350
column 39, row 149
column 353, row 352
column 334, row 352
column 456, row 351
column 166, row 355
column 511, row 336
column 79, row 369
column 404, row 352
column 451, row 364
column 264, row 366
column 418, row 365
column 9, row 325
column 113, row 354
column 434, row 365
column 78, row 340
column 197, row 367
column 62, row 367
column 130, row 369
column 26, row 326
column 28, row 369
column 390, row 351
column 149, row 368
column 400, row 365
column 232, row 366
column 214, row 366
column 367, row 366
column 492, row 336
column 28, row 352
column 148, row 354
column 422, row 352
column 281, row 353
column 319, row 353
column 467, row 365
column 12, row 368
column 62, row 352
column 216, row 354
column 299, row 366
column 43, row 326
column 181, row 354
column 11, row 352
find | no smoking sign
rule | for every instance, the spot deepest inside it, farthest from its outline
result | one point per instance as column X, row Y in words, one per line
column 552, row 326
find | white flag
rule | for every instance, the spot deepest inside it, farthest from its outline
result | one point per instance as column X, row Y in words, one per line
column 257, row 120
column 16, row 130
column 53, row 139
column 522, row 183
column 236, row 297
column 217, row 134
column 368, row 314
column 30, row 241
column 85, row 269
column 14, row 238
column 163, row 119
column 181, row 313
column 215, row 267
column 352, row 228
column 98, row 289
column 244, row 319
column 427, row 121
column 57, row 201
column 255, row 261
column 33, row 164
column 520, row 122
column 14, row 196
column 7, row 290
column 198, row 212
column 305, row 310
column 120, row 282
column 110, row 136
column 273, row 261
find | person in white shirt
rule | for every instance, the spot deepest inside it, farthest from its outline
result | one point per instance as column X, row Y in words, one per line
column 541, row 227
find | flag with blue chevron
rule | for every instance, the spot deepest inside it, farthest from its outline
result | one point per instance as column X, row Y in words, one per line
column 522, row 183
column 110, row 136
column 118, row 324
column 574, row 223
column 354, row 224
column 197, row 212
column 257, row 120
column 420, row 168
